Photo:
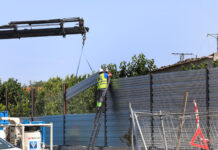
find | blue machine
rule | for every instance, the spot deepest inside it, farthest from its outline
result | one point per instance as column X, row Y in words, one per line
column 4, row 122
column 26, row 121
column 42, row 129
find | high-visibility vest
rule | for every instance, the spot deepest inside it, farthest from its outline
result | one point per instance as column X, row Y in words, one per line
column 102, row 81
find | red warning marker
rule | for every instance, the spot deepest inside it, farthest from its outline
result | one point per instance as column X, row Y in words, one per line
column 198, row 134
column 201, row 138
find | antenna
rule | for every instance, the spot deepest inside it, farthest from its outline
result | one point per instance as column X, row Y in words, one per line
column 182, row 55
column 216, row 37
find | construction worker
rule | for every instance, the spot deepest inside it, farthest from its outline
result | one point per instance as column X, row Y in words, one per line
column 102, row 85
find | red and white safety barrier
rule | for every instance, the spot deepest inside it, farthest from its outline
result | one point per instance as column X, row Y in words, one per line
column 196, row 113
column 198, row 134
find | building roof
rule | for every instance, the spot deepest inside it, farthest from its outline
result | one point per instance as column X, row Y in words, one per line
column 213, row 56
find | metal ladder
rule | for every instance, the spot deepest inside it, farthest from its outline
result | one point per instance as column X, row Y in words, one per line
column 97, row 123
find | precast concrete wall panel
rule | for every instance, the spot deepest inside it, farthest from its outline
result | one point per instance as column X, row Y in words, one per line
column 213, row 89
column 57, row 128
column 122, row 91
column 81, row 86
column 158, row 92
column 133, row 89
column 78, row 129
column 169, row 90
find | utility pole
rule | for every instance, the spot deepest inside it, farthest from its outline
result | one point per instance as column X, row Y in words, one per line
column 216, row 37
column 182, row 55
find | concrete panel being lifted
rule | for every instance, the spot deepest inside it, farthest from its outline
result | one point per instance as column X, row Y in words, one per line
column 81, row 86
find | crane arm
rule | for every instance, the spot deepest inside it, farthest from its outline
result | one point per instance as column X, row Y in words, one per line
column 39, row 28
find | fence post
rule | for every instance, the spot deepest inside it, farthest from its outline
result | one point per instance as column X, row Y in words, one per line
column 151, row 109
column 6, row 100
column 131, row 131
column 207, row 105
column 64, row 112
column 182, row 121
column 134, row 128
column 163, row 130
column 33, row 102
column 140, row 131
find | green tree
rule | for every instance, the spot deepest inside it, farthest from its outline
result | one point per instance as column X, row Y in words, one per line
column 49, row 94
column 123, row 69
column 18, row 98
column 15, row 90
column 195, row 67
column 112, row 69
column 49, row 97
column 139, row 65
column 84, row 102
column 2, row 93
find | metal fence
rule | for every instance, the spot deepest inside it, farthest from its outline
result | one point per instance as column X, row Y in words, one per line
column 155, row 92
column 77, row 129
column 164, row 91
column 166, row 128
column 169, row 89
column 135, row 90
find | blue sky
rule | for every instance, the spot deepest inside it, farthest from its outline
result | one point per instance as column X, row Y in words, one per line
column 118, row 30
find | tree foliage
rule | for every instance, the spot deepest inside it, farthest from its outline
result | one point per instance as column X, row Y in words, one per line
column 202, row 65
column 49, row 94
column 139, row 65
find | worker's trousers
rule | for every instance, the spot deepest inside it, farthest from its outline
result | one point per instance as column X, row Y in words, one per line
column 100, row 97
